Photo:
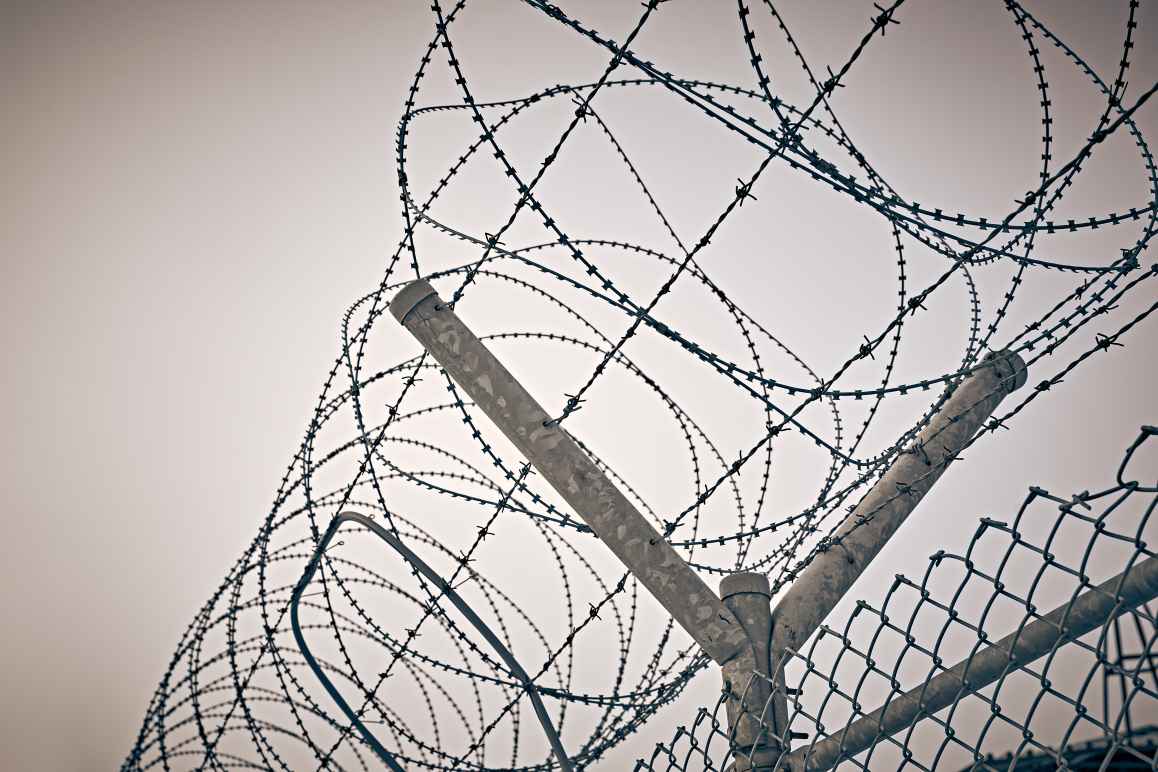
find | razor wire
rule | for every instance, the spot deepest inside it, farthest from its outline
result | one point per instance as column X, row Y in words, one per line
column 1076, row 708
column 397, row 441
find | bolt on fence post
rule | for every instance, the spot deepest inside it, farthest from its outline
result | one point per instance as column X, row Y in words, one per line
column 756, row 715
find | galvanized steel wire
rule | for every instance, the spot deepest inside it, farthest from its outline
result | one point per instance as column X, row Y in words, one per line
column 239, row 692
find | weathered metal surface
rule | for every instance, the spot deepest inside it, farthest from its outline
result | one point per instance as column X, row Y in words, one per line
column 1089, row 611
column 755, row 719
column 570, row 471
column 886, row 506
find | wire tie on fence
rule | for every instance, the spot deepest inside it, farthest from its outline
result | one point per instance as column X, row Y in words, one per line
column 744, row 191
column 831, row 84
column 1106, row 341
column 918, row 448
column 882, row 20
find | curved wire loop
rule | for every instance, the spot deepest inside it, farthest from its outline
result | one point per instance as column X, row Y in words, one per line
column 516, row 670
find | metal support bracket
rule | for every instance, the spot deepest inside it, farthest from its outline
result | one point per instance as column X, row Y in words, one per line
column 735, row 632
column 886, row 506
column 739, row 632
column 882, row 511
column 569, row 470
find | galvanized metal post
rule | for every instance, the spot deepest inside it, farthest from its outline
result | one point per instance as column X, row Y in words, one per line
column 1069, row 621
column 569, row 470
column 886, row 506
column 739, row 633
column 755, row 713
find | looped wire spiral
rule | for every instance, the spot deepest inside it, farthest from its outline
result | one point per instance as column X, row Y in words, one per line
column 624, row 337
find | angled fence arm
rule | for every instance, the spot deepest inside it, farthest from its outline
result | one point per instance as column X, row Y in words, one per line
column 735, row 633
column 569, row 470
column 1069, row 621
column 883, row 510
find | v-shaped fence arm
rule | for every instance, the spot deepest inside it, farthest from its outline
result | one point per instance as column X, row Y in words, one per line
column 739, row 633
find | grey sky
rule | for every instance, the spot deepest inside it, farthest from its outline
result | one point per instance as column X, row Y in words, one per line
column 195, row 192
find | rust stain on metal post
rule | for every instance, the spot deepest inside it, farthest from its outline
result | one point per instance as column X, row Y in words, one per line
column 1070, row 621
column 886, row 506
column 570, row 471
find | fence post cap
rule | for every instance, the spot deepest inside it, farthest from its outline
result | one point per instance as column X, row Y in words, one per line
column 743, row 582
column 1011, row 367
column 409, row 297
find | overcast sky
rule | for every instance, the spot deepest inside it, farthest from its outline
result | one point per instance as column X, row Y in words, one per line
column 194, row 194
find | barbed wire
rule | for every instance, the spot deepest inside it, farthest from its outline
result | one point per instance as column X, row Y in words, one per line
column 434, row 663
column 1043, row 715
